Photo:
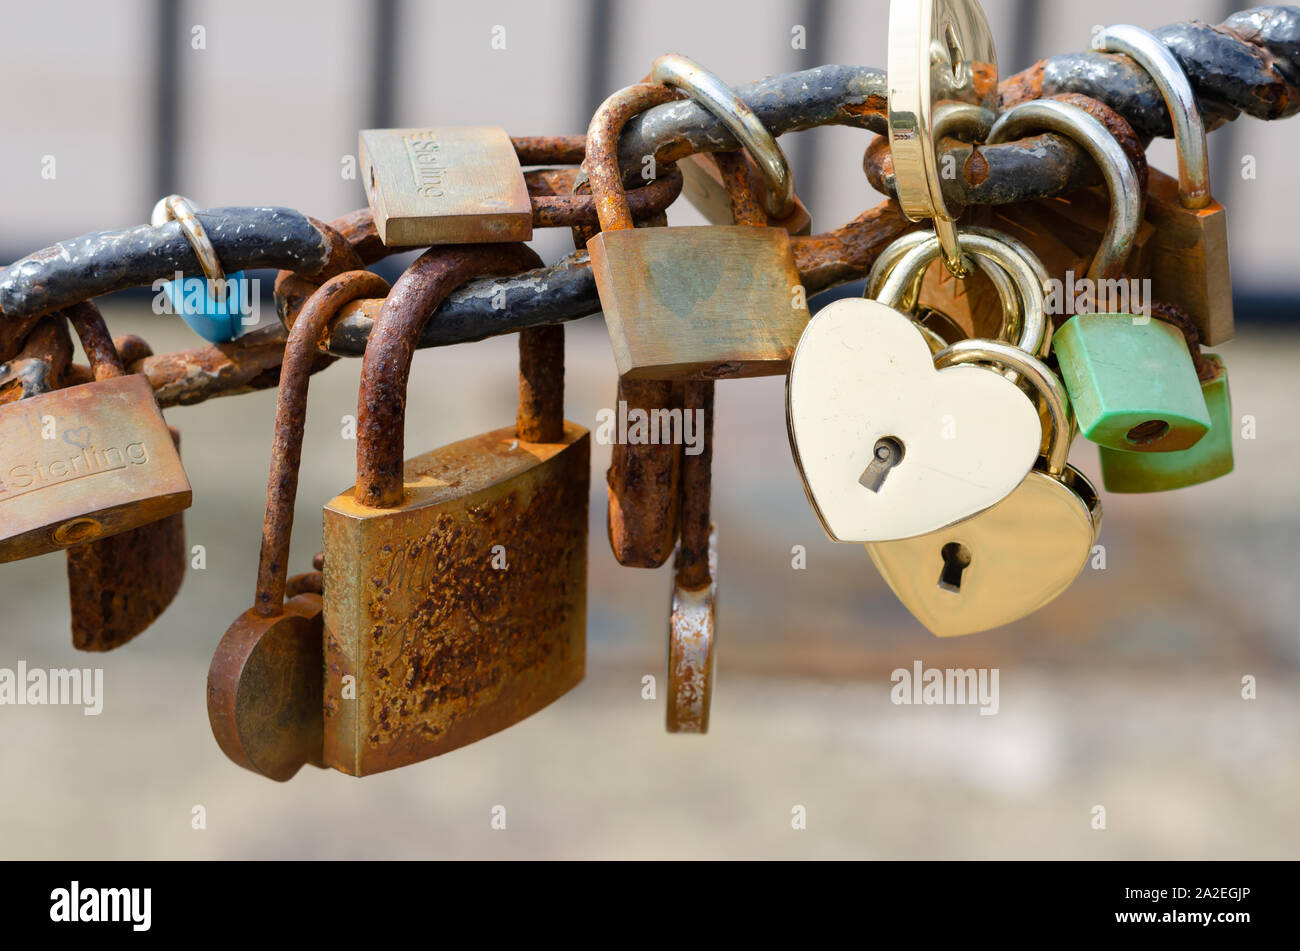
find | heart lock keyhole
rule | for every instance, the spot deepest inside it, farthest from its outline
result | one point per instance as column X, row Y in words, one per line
column 887, row 453
column 956, row 559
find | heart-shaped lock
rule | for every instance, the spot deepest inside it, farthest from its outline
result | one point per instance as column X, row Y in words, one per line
column 887, row 445
column 1012, row 559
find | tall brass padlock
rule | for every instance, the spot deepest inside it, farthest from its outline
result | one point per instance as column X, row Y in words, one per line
column 686, row 303
column 1009, row 560
column 85, row 462
column 119, row 585
column 1189, row 265
column 693, row 616
column 445, row 186
column 265, row 679
column 455, row 585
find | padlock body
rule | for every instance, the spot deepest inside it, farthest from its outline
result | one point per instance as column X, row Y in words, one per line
column 84, row 463
column 455, row 185
column 1132, row 385
column 118, row 586
column 215, row 318
column 1162, row 471
column 700, row 303
column 1019, row 555
column 463, row 611
column 1189, row 261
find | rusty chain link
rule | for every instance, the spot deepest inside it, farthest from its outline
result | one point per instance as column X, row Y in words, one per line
column 1249, row 64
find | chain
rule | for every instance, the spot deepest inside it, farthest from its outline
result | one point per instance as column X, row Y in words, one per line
column 1248, row 64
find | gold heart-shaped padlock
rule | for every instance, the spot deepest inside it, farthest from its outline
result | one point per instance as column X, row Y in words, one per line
column 1009, row 560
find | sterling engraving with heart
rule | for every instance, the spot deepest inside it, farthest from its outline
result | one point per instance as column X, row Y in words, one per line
column 889, row 447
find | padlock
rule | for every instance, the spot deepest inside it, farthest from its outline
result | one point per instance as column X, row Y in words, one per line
column 1130, row 378
column 766, row 168
column 265, row 681
column 453, row 185
column 692, row 620
column 1009, row 560
column 119, row 585
column 215, row 306
column 686, row 303
column 888, row 446
column 455, row 586
column 1189, row 267
column 85, row 462
column 1210, row 458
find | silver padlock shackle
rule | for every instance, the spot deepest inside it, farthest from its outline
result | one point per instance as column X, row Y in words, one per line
column 1176, row 89
column 1028, row 278
column 182, row 210
column 1039, row 376
column 1121, row 178
column 712, row 94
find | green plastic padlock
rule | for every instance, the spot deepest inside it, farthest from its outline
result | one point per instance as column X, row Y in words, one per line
column 1161, row 471
column 1132, row 383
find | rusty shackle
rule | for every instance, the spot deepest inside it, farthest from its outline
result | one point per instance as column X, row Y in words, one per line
column 386, row 367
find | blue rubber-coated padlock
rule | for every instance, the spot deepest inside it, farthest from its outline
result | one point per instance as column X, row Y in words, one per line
column 216, row 321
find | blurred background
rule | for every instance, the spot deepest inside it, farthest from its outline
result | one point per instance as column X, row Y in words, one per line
column 1124, row 693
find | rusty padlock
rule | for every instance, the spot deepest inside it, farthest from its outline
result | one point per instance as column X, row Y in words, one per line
column 455, row 585
column 119, row 585
column 264, row 683
column 692, row 622
column 85, row 462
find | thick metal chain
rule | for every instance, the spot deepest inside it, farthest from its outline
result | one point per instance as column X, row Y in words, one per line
column 1248, row 64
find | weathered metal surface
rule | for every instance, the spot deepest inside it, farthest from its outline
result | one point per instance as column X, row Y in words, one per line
column 42, row 365
column 541, row 384
column 111, row 466
column 265, row 680
column 455, row 584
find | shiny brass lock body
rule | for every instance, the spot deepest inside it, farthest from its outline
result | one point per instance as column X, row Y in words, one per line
column 455, row 584
column 445, row 186
column 1009, row 560
column 85, row 462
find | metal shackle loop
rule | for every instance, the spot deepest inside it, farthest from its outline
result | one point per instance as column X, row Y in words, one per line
column 1096, row 140
column 1176, row 89
column 1031, row 369
column 1027, row 278
column 386, row 367
column 712, row 94
column 180, row 209
column 92, row 331
column 310, row 331
column 604, row 174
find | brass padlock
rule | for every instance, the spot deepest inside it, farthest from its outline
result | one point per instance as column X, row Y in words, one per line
column 85, row 462
column 1189, row 264
column 265, row 680
column 686, row 303
column 455, row 585
column 692, row 621
column 765, row 166
column 119, row 585
column 445, row 186
column 1009, row 560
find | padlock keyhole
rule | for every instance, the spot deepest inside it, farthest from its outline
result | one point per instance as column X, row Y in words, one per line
column 1146, row 433
column 956, row 559
column 887, row 453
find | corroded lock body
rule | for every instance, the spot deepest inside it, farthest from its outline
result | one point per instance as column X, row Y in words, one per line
column 686, row 303
column 266, row 677
column 1189, row 265
column 1210, row 458
column 445, row 186
column 1009, row 560
column 702, row 186
column 85, row 462
column 455, row 584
